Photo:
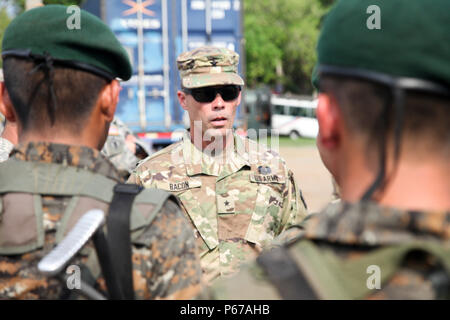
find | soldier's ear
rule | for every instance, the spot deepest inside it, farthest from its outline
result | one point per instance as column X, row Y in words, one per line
column 6, row 106
column 329, row 139
column 239, row 98
column 109, row 98
column 182, row 99
column 328, row 116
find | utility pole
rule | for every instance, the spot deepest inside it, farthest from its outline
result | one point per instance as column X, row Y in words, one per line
column 208, row 21
column 141, row 90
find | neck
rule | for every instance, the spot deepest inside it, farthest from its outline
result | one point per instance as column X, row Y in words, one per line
column 218, row 143
column 415, row 185
column 420, row 186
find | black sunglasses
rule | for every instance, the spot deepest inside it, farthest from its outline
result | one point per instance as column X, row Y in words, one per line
column 208, row 94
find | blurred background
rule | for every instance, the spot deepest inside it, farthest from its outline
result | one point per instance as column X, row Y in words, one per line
column 276, row 40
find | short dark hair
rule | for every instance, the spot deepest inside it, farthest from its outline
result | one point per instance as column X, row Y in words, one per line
column 76, row 93
column 426, row 116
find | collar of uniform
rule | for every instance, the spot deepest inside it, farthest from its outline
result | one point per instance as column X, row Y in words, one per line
column 66, row 155
column 366, row 223
column 239, row 158
column 197, row 162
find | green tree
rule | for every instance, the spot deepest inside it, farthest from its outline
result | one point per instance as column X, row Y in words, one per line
column 20, row 4
column 4, row 21
column 280, row 38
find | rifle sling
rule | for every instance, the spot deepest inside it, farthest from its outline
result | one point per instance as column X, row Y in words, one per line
column 119, row 238
column 284, row 273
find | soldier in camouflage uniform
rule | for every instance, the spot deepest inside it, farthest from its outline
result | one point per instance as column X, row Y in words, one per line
column 335, row 196
column 238, row 195
column 57, row 173
column 8, row 132
column 120, row 147
column 2, row 121
column 8, row 136
column 384, row 112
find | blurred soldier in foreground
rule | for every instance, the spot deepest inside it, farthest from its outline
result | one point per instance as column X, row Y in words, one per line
column 63, row 95
column 335, row 197
column 237, row 194
column 8, row 132
column 384, row 116
column 8, row 138
column 123, row 149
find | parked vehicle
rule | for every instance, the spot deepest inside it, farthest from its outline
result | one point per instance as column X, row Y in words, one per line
column 294, row 117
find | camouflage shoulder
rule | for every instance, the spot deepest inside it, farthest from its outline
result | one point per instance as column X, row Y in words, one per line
column 262, row 152
column 165, row 262
column 270, row 153
column 289, row 236
column 158, row 155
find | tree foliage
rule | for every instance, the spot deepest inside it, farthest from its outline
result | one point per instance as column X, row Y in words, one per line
column 4, row 21
column 20, row 4
column 282, row 33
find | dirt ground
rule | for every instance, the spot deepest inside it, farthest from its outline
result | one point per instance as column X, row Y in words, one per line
column 311, row 175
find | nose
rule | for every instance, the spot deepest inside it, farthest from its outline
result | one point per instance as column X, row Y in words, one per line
column 218, row 103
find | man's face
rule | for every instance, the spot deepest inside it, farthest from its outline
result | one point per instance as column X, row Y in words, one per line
column 216, row 116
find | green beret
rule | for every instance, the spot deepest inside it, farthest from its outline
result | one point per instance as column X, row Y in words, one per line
column 412, row 41
column 47, row 31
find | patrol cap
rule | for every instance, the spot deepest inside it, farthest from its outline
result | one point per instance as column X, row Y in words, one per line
column 411, row 49
column 209, row 66
column 43, row 33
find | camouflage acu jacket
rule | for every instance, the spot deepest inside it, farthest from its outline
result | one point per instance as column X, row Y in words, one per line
column 165, row 263
column 119, row 147
column 344, row 248
column 237, row 208
column 5, row 149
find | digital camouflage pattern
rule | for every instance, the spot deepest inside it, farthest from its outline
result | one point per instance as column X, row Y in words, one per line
column 116, row 147
column 209, row 66
column 237, row 208
column 166, row 268
column 345, row 234
column 2, row 122
column 5, row 148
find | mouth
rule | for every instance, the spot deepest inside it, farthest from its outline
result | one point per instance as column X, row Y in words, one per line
column 219, row 121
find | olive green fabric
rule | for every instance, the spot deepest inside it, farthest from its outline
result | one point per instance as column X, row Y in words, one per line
column 46, row 30
column 19, row 177
column 413, row 39
column 334, row 278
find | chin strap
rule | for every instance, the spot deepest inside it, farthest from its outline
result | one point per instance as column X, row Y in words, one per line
column 381, row 180
column 47, row 66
